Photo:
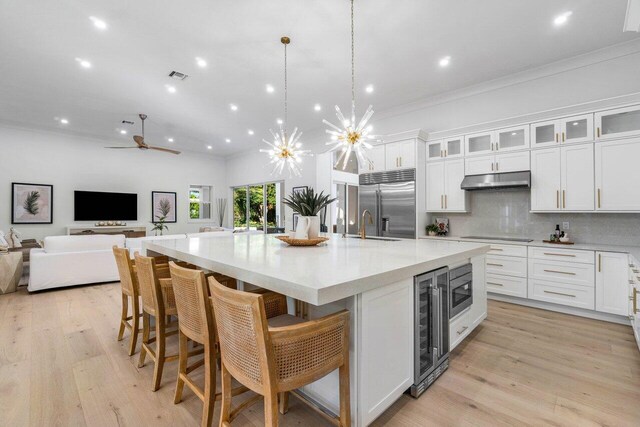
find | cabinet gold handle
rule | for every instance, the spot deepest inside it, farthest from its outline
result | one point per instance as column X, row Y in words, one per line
column 560, row 272
column 599, row 263
column 497, row 265
column 400, row 161
column 559, row 293
column 553, row 254
column 562, row 136
column 445, row 153
column 598, row 131
column 497, row 249
column 557, row 137
column 445, row 201
column 461, row 331
column 491, row 166
column 558, row 199
column 599, row 198
column 495, row 284
column 635, row 301
column 441, row 155
column 441, row 201
column 497, row 166
column 564, row 199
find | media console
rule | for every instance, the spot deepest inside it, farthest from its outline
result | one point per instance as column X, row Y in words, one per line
column 135, row 230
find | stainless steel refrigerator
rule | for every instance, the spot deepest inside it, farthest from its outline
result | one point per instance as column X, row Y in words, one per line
column 391, row 199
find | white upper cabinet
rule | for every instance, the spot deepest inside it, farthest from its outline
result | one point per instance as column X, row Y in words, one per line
column 445, row 148
column 562, row 179
column 400, row 155
column 376, row 155
column 479, row 143
column 618, row 123
column 443, row 186
column 479, row 165
column 516, row 138
column 612, row 282
column 508, row 162
column 563, row 131
column 617, row 174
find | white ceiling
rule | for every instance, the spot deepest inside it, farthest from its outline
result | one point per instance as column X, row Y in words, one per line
column 398, row 45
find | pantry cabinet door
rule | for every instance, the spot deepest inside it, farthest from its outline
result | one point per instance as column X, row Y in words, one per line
column 545, row 179
column 435, row 186
column 453, row 175
column 617, row 175
column 612, row 283
column 577, row 177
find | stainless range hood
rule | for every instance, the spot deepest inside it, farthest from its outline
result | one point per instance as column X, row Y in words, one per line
column 497, row 181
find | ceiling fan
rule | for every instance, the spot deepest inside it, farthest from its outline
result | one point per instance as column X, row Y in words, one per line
column 140, row 141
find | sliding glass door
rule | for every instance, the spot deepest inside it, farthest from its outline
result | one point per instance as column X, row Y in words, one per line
column 258, row 207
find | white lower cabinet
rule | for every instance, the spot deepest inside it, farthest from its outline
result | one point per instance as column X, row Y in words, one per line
column 386, row 338
column 612, row 283
column 459, row 328
column 507, row 285
column 463, row 324
column 559, row 293
column 507, row 270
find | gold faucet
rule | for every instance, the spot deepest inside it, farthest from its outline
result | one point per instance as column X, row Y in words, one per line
column 363, row 234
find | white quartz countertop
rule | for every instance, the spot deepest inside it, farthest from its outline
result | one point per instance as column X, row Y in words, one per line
column 337, row 269
column 633, row 250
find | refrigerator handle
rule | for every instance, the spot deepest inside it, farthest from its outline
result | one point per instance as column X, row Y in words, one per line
column 378, row 212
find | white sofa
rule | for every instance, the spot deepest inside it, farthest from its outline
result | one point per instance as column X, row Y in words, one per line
column 74, row 260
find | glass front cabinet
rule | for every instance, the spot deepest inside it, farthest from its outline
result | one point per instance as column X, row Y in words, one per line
column 563, row 131
column 618, row 123
column 508, row 139
column 445, row 148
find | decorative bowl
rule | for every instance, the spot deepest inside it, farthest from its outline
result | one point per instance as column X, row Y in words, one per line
column 301, row 242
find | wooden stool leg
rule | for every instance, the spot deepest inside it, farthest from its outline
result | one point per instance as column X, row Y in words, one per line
column 345, row 399
column 160, row 351
column 123, row 316
column 225, row 400
column 183, row 353
column 271, row 409
column 135, row 325
column 284, row 402
column 209, row 385
column 146, row 332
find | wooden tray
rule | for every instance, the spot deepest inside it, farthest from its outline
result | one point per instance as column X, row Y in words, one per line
column 558, row 242
column 302, row 242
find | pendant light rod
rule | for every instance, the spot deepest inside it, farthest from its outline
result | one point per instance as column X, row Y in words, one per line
column 353, row 62
column 285, row 41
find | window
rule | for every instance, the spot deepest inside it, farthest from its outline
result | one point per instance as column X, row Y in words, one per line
column 200, row 202
column 258, row 207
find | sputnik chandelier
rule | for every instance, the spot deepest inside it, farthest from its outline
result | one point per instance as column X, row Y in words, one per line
column 348, row 136
column 285, row 150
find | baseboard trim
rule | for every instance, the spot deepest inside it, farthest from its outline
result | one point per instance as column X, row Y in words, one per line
column 591, row 314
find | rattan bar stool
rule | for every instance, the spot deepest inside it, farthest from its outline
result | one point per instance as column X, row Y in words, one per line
column 274, row 360
column 158, row 300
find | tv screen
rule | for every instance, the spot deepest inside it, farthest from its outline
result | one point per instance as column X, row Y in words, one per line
column 100, row 206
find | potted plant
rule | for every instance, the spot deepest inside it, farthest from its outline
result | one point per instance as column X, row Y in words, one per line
column 308, row 204
column 432, row 230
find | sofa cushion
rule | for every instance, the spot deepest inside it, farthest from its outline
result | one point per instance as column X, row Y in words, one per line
column 97, row 242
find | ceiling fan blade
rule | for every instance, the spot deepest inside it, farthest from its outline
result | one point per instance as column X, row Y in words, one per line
column 121, row 148
column 163, row 149
column 139, row 140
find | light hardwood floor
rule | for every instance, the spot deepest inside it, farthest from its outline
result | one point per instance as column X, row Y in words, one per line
column 60, row 364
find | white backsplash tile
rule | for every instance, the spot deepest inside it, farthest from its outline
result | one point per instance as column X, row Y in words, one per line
column 506, row 213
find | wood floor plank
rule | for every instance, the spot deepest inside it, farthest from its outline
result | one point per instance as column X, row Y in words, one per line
column 60, row 364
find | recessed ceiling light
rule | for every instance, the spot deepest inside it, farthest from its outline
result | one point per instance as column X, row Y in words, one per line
column 170, row 139
column 233, row 107
column 170, row 89
column 227, row 140
column 445, row 61
column 317, row 107
column 369, row 89
column 250, row 132
column 201, row 62
column 83, row 63
column 98, row 23
column 279, row 121
column 209, row 147
column 64, row 121
column 123, row 132
column 562, row 19
column 270, row 89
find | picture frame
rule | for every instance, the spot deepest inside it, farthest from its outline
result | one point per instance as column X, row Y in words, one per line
column 296, row 190
column 164, row 202
column 31, row 203
column 295, row 221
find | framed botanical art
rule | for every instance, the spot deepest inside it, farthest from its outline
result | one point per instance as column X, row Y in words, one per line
column 163, row 204
column 31, row 203
column 296, row 190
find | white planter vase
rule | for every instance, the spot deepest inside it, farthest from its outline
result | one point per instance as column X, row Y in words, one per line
column 308, row 227
column 314, row 228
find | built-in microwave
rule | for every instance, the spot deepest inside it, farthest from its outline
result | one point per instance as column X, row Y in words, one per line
column 460, row 289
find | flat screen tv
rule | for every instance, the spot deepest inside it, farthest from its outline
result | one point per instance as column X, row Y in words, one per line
column 101, row 206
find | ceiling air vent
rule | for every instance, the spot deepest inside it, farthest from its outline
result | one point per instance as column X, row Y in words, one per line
column 177, row 75
column 127, row 122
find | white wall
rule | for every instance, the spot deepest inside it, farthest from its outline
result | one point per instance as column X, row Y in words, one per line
column 76, row 163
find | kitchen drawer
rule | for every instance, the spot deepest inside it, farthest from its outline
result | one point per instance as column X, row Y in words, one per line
column 507, row 285
column 506, row 265
column 563, row 272
column 459, row 328
column 508, row 250
column 575, row 296
column 556, row 254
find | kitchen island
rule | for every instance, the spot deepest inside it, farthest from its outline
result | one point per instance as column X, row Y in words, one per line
column 373, row 279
